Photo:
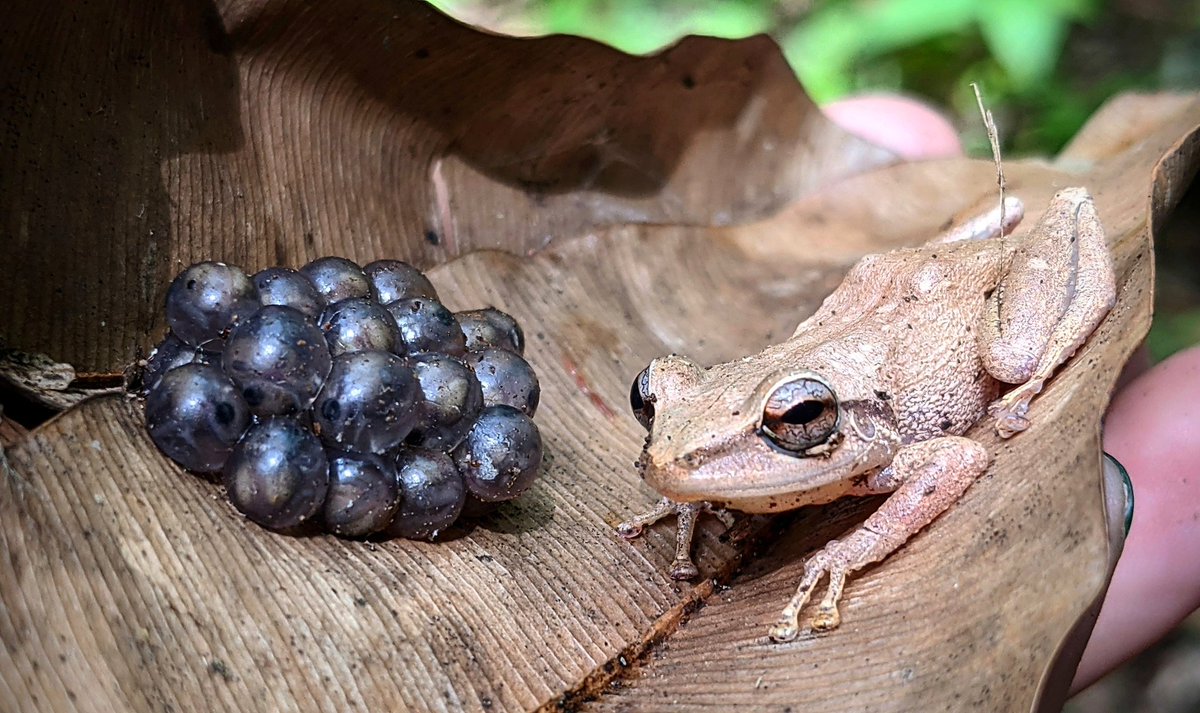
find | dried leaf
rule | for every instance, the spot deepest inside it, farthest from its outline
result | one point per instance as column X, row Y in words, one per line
column 50, row 384
column 269, row 132
column 130, row 584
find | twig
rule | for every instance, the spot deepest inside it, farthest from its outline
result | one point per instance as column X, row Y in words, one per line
column 994, row 138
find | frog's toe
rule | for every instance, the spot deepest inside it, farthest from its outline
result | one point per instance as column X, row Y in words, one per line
column 1007, row 428
column 826, row 618
column 786, row 630
column 633, row 527
column 630, row 529
column 1010, row 423
column 1011, row 419
column 683, row 569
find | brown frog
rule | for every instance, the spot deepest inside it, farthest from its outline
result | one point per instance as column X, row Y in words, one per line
column 873, row 393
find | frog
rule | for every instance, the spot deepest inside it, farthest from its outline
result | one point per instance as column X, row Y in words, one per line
column 879, row 390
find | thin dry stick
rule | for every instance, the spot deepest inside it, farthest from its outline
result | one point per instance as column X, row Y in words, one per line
column 994, row 139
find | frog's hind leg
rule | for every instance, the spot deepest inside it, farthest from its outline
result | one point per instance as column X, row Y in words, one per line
column 1058, row 287
column 986, row 225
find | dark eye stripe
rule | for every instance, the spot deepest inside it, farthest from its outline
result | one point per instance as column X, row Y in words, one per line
column 800, row 414
column 803, row 412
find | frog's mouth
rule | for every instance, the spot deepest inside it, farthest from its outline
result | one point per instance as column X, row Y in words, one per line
column 759, row 479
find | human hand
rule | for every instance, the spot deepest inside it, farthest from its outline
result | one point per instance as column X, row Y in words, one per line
column 1151, row 429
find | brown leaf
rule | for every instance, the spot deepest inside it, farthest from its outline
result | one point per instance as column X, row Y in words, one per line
column 265, row 132
column 48, row 383
column 129, row 584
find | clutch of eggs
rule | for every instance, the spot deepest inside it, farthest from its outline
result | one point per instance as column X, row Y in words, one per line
column 344, row 395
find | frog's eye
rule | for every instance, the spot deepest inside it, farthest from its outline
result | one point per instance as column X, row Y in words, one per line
column 800, row 414
column 641, row 400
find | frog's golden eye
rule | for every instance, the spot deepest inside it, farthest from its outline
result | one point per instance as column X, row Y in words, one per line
column 800, row 414
column 641, row 400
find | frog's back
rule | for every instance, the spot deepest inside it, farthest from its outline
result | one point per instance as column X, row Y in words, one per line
column 916, row 311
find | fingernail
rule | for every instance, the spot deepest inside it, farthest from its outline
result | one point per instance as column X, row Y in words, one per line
column 1128, row 486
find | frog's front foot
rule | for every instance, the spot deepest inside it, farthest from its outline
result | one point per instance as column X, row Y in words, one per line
column 837, row 559
column 682, row 567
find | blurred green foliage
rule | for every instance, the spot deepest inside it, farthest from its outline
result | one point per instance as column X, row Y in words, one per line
column 632, row 26
column 646, row 26
column 936, row 48
column 1045, row 65
column 1173, row 331
column 1024, row 37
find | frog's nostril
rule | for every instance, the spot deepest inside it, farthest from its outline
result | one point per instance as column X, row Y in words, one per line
column 657, row 464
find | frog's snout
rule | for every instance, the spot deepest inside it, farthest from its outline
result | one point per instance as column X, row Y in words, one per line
column 672, row 475
column 642, row 463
